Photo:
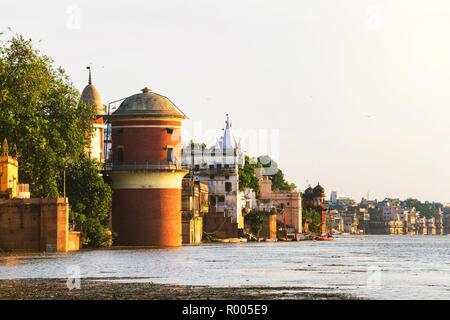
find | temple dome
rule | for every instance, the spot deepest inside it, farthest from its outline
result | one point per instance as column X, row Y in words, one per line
column 148, row 104
column 309, row 191
column 319, row 190
column 91, row 96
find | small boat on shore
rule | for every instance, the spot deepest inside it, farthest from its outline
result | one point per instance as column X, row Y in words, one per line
column 324, row 238
column 271, row 240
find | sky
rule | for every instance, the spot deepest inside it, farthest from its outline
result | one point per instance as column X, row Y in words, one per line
column 353, row 94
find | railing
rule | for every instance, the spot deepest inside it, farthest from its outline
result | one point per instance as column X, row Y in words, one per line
column 142, row 165
column 214, row 171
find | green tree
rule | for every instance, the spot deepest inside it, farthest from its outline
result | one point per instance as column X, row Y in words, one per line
column 247, row 176
column 275, row 174
column 89, row 198
column 40, row 112
column 426, row 209
column 256, row 222
column 315, row 226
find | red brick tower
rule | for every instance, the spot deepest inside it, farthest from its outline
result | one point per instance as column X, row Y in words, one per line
column 146, row 171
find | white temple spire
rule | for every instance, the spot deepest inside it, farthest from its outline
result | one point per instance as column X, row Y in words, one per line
column 227, row 141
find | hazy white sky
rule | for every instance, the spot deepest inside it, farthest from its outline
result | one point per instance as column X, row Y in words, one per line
column 354, row 94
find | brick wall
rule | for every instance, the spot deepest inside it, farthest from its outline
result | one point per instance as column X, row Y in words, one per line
column 35, row 224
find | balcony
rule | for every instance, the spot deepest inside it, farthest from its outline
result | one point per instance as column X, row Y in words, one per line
column 142, row 165
column 215, row 171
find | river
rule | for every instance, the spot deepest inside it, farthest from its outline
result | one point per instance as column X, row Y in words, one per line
column 366, row 266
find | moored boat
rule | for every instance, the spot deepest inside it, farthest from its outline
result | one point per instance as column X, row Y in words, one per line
column 319, row 238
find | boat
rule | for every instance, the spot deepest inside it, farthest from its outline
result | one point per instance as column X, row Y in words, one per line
column 319, row 238
column 271, row 240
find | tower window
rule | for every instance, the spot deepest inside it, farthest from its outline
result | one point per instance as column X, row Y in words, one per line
column 169, row 130
column 120, row 154
column 169, row 154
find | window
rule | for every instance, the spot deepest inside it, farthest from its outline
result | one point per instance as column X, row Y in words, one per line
column 120, row 154
column 169, row 130
column 228, row 186
column 219, row 166
column 169, row 154
column 221, row 199
column 119, row 130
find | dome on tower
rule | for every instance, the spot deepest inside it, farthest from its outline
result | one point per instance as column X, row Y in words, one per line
column 319, row 191
column 309, row 191
column 148, row 104
column 91, row 96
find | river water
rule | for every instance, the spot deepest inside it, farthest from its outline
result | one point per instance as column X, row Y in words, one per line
column 368, row 266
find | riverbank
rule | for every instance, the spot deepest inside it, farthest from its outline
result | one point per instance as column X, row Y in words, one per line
column 107, row 289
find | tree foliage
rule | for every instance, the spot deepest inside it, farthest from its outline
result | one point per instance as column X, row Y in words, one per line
column 426, row 210
column 256, row 222
column 315, row 226
column 40, row 112
column 247, row 176
column 89, row 198
column 275, row 174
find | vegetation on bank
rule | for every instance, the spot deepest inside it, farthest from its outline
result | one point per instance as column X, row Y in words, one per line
column 426, row 209
column 41, row 113
column 247, row 176
column 255, row 220
column 275, row 174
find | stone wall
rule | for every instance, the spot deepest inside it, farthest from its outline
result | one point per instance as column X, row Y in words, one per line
column 36, row 224
column 216, row 224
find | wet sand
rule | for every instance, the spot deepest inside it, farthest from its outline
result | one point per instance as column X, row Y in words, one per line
column 93, row 289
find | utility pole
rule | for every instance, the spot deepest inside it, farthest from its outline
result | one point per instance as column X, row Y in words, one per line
column 64, row 191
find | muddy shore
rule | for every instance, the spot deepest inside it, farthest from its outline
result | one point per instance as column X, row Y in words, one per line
column 93, row 289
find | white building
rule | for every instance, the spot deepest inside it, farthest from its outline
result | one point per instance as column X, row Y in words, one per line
column 91, row 96
column 219, row 165
column 394, row 213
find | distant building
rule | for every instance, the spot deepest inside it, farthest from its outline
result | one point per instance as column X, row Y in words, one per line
column 219, row 167
column 290, row 203
column 346, row 202
column 91, row 96
column 333, row 198
column 394, row 213
column 314, row 198
column 194, row 206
